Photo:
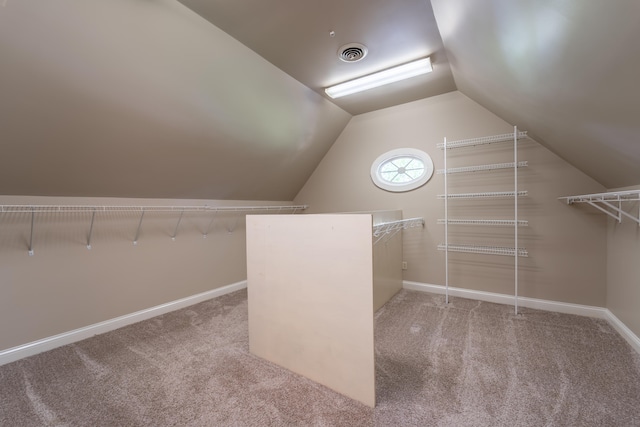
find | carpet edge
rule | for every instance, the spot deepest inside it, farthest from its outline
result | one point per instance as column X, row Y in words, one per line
column 539, row 304
column 49, row 343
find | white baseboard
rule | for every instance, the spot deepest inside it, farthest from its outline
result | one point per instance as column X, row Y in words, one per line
column 622, row 329
column 49, row 343
column 539, row 304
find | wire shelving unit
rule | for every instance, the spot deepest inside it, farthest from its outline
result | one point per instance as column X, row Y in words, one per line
column 516, row 251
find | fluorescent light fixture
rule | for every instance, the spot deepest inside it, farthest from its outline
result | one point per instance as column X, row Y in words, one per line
column 391, row 75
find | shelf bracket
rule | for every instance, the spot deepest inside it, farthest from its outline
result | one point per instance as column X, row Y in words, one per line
column 206, row 231
column 33, row 217
column 608, row 200
column 93, row 216
column 135, row 239
column 175, row 232
column 235, row 224
column 621, row 212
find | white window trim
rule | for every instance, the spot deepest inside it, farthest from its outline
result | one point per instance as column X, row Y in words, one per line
column 405, row 186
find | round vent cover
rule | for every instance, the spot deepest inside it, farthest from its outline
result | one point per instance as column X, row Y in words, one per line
column 352, row 52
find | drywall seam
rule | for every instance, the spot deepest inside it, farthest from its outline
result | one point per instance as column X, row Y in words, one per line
column 558, row 307
column 55, row 341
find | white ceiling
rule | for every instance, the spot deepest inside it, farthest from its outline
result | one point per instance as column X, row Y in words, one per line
column 149, row 99
column 295, row 36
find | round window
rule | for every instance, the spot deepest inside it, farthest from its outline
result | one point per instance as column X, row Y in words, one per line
column 403, row 169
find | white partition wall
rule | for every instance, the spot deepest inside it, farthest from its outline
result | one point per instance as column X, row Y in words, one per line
column 311, row 298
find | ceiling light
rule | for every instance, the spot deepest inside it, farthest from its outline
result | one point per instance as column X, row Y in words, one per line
column 391, row 75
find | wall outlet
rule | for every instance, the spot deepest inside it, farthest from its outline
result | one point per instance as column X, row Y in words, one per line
column 404, row 265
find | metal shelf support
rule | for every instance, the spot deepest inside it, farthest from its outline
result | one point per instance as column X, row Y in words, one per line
column 135, row 239
column 93, row 217
column 33, row 219
column 175, row 232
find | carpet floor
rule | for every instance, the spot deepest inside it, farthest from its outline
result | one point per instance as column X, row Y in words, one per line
column 468, row 363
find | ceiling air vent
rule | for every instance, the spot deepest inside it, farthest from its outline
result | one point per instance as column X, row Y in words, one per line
column 352, row 52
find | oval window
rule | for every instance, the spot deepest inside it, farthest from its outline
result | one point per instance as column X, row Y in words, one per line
column 402, row 169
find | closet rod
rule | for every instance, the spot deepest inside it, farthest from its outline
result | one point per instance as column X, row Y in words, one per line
column 92, row 208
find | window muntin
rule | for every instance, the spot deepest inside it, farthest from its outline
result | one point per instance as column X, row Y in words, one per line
column 402, row 169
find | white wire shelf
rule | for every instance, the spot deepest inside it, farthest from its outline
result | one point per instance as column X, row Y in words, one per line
column 491, row 222
column 485, row 195
column 482, row 140
column 484, row 250
column 609, row 203
column 93, row 208
column 612, row 196
column 142, row 210
column 389, row 229
column 482, row 168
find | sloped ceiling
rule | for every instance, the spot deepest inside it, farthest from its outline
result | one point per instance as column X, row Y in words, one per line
column 147, row 99
column 132, row 98
column 566, row 71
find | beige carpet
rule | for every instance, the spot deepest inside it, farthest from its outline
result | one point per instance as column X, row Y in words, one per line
column 464, row 364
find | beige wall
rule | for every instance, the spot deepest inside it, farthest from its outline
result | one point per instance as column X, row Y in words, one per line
column 567, row 247
column 623, row 268
column 65, row 286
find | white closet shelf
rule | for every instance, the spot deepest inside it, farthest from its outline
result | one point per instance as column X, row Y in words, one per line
column 486, row 195
column 509, row 222
column 391, row 228
column 180, row 210
column 92, row 208
column 485, row 250
column 604, row 202
column 482, row 168
column 506, row 137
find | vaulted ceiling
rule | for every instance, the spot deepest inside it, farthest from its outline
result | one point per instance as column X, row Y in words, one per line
column 565, row 70
column 224, row 100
